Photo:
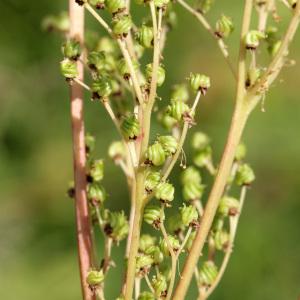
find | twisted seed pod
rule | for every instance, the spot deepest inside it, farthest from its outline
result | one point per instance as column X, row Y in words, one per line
column 130, row 127
column 115, row 6
column 122, row 26
column 152, row 215
column 145, row 36
column 161, row 74
column 155, row 155
column 192, row 191
column 208, row 273
column 169, row 144
column 165, row 192
column 224, row 27
column 68, row 68
column 177, row 109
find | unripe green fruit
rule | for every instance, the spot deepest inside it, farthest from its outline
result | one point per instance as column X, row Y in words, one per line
column 161, row 74
column 240, row 152
column 169, row 144
column 94, row 278
column 117, row 150
column 96, row 193
column 145, row 36
column 160, row 285
column 155, row 155
column 177, row 110
column 161, row 3
column 122, row 26
column 190, row 174
column 101, row 88
column 221, row 240
column 89, row 143
column 180, row 93
column 130, row 127
column 146, row 241
column 165, row 192
column 101, row 61
column 200, row 140
column 253, row 38
column 115, row 6
column 97, row 170
column 68, row 68
column 208, row 273
column 117, row 227
column 143, row 264
column 245, row 175
column 156, row 254
column 224, row 27
column 189, row 215
column 229, row 206
column 71, row 49
column 152, row 180
column 152, row 215
column 124, row 68
column 173, row 242
column 199, row 82
column 203, row 157
column 192, row 191
column 175, row 224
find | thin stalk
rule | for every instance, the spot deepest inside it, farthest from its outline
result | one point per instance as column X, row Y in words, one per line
column 83, row 226
column 238, row 123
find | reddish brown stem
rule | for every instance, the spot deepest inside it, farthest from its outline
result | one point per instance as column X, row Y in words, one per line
column 84, row 238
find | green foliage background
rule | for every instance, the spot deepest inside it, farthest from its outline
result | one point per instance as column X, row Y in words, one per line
column 37, row 240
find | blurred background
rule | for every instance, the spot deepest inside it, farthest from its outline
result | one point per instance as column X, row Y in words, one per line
column 37, row 240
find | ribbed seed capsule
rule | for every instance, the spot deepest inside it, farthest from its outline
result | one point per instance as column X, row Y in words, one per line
column 253, row 38
column 117, row 227
column 155, row 253
column 177, row 109
column 115, row 6
column 96, row 193
column 97, row 170
column 122, row 26
column 169, row 143
column 101, row 61
column 89, row 143
column 224, row 27
column 152, row 180
column 240, row 152
column 146, row 296
column 124, row 69
column 160, row 285
column 161, row 74
column 166, row 120
column 173, row 242
column 130, row 127
column 204, row 6
column 71, row 49
column 145, row 36
column 200, row 140
column 117, row 151
column 101, row 88
column 180, row 93
column 208, row 273
column 143, row 264
column 94, row 278
column 152, row 215
column 189, row 215
column 175, row 224
column 229, row 206
column 192, row 191
column 161, row 3
column 245, row 175
column 199, row 82
column 165, row 192
column 68, row 68
column 203, row 158
column 146, row 241
column 221, row 240
column 155, row 155
column 190, row 174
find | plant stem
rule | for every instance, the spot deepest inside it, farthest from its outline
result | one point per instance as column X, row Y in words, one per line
column 83, row 226
column 238, row 123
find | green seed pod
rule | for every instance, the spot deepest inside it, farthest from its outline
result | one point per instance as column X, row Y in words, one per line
column 101, row 88
column 152, row 216
column 97, row 170
column 224, row 27
column 71, row 49
column 165, row 192
column 139, row 51
column 94, row 278
column 101, row 61
column 203, row 157
column 175, row 224
column 190, row 241
column 60, row 23
column 221, row 240
column 173, row 242
column 273, row 40
column 115, row 6
column 161, row 3
column 161, row 74
column 90, row 142
column 96, row 193
column 122, row 26
column 240, row 152
column 244, row 175
column 145, row 36
column 143, row 265
column 124, row 69
column 177, row 110
column 117, row 151
column 156, row 254
column 189, row 215
column 190, row 174
column 152, row 180
column 146, row 241
column 192, row 191
column 166, row 120
column 146, row 296
column 99, row 4
column 68, row 68
column 208, row 273
column 200, row 140
column 180, row 93
column 106, row 45
column 130, row 127
column 253, row 38
column 160, row 285
column 204, row 6
column 117, row 227
column 228, row 206
column 169, row 144
column 155, row 155
column 199, row 82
